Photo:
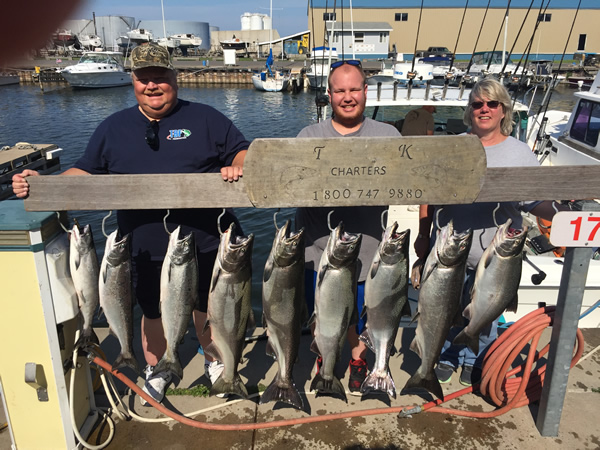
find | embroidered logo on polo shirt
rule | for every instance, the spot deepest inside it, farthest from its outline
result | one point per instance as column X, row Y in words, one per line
column 175, row 135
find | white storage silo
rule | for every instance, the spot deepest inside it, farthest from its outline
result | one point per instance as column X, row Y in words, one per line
column 246, row 20
column 256, row 21
column 267, row 23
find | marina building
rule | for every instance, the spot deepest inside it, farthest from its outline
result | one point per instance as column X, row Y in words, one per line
column 448, row 23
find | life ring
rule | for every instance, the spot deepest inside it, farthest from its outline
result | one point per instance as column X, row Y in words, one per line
column 545, row 226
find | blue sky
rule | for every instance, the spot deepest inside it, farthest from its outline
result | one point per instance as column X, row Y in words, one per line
column 289, row 16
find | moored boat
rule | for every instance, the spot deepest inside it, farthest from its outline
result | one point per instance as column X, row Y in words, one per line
column 317, row 73
column 570, row 138
column 97, row 70
column 271, row 80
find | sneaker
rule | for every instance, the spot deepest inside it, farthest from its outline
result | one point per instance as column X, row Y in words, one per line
column 155, row 384
column 444, row 372
column 213, row 371
column 470, row 375
column 358, row 373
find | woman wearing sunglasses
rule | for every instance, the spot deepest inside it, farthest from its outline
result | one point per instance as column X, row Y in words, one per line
column 489, row 116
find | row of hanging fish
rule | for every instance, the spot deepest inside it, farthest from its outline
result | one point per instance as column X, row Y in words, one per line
column 230, row 313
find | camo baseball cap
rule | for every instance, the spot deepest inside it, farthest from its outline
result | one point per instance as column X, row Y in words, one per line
column 150, row 55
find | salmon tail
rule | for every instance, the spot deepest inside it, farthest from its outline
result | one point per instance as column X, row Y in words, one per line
column 470, row 341
column 282, row 392
column 87, row 338
column 430, row 383
column 169, row 363
column 376, row 382
column 236, row 386
column 323, row 386
column 126, row 361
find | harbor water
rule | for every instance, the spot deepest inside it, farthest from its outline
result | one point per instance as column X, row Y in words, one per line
column 68, row 117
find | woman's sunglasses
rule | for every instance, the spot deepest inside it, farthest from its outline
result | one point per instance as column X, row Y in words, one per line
column 493, row 104
column 152, row 134
column 351, row 62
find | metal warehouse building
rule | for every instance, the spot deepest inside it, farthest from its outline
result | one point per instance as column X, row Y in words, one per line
column 481, row 28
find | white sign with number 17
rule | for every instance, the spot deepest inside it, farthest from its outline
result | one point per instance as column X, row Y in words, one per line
column 576, row 229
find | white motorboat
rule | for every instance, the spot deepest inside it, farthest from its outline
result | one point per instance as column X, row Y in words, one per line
column 386, row 74
column 169, row 43
column 317, row 73
column 90, row 41
column 97, row 70
column 186, row 41
column 492, row 62
column 569, row 138
column 234, row 44
column 442, row 69
column 139, row 36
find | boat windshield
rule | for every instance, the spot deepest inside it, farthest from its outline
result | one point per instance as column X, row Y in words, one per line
column 586, row 124
column 98, row 59
column 489, row 57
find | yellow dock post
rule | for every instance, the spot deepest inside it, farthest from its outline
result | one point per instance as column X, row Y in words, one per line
column 37, row 328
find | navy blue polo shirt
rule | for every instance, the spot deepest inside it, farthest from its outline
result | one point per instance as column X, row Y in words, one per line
column 193, row 138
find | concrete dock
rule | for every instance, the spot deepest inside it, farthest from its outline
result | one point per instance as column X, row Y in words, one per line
column 513, row 430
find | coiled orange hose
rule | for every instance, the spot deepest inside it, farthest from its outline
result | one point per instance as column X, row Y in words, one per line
column 504, row 391
column 497, row 381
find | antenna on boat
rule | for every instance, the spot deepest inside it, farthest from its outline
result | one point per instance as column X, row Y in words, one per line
column 449, row 72
column 411, row 75
column 546, row 101
column 498, row 38
column 476, row 41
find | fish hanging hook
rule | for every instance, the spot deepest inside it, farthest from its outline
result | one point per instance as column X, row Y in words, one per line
column 494, row 215
column 383, row 214
column 165, row 222
column 275, row 219
column 329, row 220
column 61, row 224
column 437, row 218
column 104, row 222
column 219, row 222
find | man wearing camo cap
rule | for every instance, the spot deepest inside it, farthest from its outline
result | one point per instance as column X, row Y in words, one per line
column 163, row 134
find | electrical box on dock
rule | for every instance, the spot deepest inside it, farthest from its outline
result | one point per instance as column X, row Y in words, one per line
column 37, row 328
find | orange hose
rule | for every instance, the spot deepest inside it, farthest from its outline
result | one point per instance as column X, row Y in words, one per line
column 507, row 391
column 504, row 391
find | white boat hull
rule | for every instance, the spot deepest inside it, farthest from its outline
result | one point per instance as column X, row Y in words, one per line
column 97, row 79
column 97, row 70
column 270, row 84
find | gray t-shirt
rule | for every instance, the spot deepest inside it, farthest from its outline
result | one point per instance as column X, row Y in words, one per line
column 480, row 216
column 357, row 219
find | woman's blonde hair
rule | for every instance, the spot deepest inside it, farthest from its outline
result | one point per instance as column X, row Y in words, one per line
column 491, row 90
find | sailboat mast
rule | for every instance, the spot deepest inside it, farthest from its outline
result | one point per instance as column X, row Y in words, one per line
column 271, row 27
column 162, row 7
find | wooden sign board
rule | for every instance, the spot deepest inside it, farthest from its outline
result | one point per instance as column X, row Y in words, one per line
column 156, row 191
column 364, row 171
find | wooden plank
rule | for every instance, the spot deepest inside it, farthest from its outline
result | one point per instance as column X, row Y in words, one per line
column 111, row 192
column 268, row 165
column 364, row 171
column 540, row 183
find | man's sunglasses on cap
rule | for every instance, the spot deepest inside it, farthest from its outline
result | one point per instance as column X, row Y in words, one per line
column 350, row 62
